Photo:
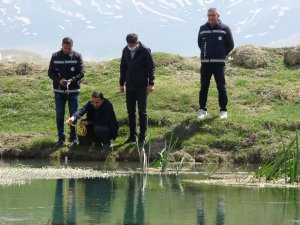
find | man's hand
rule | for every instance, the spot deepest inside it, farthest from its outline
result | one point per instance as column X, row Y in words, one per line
column 84, row 122
column 150, row 88
column 122, row 89
column 64, row 82
column 70, row 120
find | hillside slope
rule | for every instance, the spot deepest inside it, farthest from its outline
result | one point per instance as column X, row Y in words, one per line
column 260, row 100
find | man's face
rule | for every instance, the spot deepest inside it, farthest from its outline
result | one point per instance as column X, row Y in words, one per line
column 97, row 102
column 132, row 46
column 67, row 48
column 213, row 17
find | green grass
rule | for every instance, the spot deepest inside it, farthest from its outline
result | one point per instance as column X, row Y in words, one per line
column 259, row 100
column 285, row 165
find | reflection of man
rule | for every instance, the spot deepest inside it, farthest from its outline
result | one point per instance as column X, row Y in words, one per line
column 137, row 73
column 59, row 214
column 200, row 210
column 132, row 214
column 101, row 121
column 215, row 42
column 220, row 211
column 99, row 196
column 66, row 71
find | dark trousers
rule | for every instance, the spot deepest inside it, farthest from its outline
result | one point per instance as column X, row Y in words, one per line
column 60, row 103
column 207, row 70
column 95, row 133
column 137, row 95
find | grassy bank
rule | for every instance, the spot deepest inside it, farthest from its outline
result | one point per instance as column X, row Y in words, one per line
column 259, row 100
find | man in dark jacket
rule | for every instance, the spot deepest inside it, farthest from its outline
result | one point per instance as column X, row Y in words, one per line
column 137, row 73
column 66, row 72
column 101, row 122
column 215, row 42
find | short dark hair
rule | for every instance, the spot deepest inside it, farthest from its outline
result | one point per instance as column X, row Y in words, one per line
column 98, row 94
column 215, row 10
column 67, row 40
column 132, row 38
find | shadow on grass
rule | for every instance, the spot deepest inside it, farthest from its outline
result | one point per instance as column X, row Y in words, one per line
column 187, row 129
column 44, row 147
column 36, row 148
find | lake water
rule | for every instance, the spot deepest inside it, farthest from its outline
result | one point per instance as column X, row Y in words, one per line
column 140, row 199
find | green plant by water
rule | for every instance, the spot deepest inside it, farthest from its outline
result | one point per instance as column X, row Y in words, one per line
column 286, row 165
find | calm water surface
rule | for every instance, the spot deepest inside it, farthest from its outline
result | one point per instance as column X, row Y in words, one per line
column 139, row 199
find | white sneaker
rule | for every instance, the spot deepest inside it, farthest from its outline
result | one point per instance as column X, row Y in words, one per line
column 223, row 115
column 202, row 114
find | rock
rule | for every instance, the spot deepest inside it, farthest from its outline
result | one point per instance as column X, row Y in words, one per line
column 24, row 68
column 250, row 57
column 292, row 56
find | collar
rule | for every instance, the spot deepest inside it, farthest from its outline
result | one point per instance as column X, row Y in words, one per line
column 216, row 25
column 71, row 53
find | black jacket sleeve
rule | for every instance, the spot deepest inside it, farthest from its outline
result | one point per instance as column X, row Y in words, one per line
column 80, row 113
column 51, row 71
column 229, row 41
column 80, row 74
column 123, row 70
column 199, row 39
column 150, row 67
column 113, row 125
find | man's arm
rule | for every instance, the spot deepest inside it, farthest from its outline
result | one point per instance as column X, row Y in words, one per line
column 199, row 39
column 80, row 113
column 150, row 67
column 113, row 125
column 80, row 70
column 51, row 71
column 229, row 41
column 123, row 70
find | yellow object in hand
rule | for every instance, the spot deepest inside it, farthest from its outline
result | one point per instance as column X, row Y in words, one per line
column 80, row 129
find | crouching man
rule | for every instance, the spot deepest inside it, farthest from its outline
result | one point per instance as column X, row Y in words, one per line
column 101, row 122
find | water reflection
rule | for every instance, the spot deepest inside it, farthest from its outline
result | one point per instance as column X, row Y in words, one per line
column 200, row 210
column 134, row 215
column 129, row 203
column 59, row 216
column 71, row 203
column 99, row 196
column 295, row 198
column 141, row 200
column 220, row 212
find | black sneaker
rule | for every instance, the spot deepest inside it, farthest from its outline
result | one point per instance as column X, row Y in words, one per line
column 142, row 143
column 72, row 144
column 93, row 147
column 59, row 143
column 106, row 147
column 130, row 140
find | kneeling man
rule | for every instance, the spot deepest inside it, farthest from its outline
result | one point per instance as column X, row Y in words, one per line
column 101, row 122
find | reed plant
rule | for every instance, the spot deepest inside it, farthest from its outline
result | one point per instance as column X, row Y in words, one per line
column 286, row 165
